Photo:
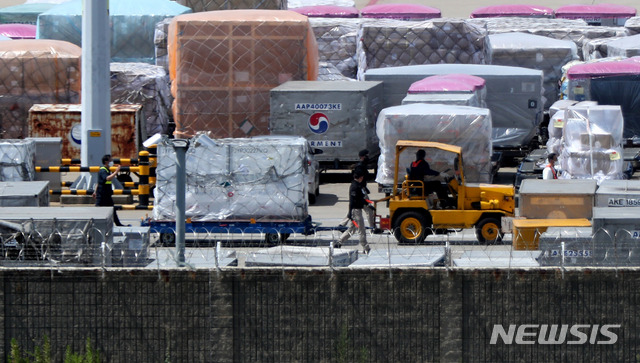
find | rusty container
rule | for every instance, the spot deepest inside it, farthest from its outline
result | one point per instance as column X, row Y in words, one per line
column 64, row 121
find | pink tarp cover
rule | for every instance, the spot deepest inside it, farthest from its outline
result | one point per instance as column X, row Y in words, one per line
column 18, row 31
column 400, row 11
column 604, row 10
column 603, row 69
column 511, row 10
column 328, row 11
column 447, row 82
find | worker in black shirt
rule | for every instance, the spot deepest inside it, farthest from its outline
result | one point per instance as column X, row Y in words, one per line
column 356, row 221
column 420, row 168
column 103, row 192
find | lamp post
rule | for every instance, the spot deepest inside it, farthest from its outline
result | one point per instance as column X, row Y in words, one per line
column 180, row 146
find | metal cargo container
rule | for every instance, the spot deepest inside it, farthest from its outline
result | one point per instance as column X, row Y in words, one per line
column 568, row 246
column 561, row 198
column 617, row 232
column 338, row 117
column 24, row 194
column 49, row 153
column 64, row 121
column 130, row 246
column 60, row 234
column 618, row 193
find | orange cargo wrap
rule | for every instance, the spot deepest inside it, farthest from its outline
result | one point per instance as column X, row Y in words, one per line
column 223, row 64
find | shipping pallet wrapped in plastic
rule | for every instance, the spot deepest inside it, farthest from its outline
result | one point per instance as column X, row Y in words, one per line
column 556, row 123
column 400, row 12
column 597, row 48
column 448, row 84
column 624, row 47
column 467, row 127
column 337, row 40
column 31, row 72
column 514, row 95
column 223, row 64
column 535, row 52
column 160, row 40
column 328, row 11
column 564, row 29
column 17, row 160
column 329, row 72
column 633, row 25
column 610, row 82
column 213, row 5
column 147, row 85
column 517, row 10
column 235, row 179
column 597, row 14
column 291, row 4
column 132, row 26
column 391, row 43
column 592, row 143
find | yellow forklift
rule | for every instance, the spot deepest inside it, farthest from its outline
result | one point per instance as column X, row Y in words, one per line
column 415, row 213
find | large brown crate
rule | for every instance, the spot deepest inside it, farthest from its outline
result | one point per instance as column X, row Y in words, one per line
column 64, row 121
column 223, row 65
column 35, row 71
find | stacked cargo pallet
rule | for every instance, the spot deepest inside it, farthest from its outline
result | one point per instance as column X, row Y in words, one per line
column 231, row 179
column 35, row 71
column 455, row 89
column 389, row 43
column 624, row 47
column 146, row 85
column 17, row 158
column 592, row 143
column 575, row 30
column 223, row 65
column 213, row 5
column 337, row 42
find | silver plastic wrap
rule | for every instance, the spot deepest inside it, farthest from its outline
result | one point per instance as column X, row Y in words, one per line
column 624, row 47
column 460, row 99
column 329, row 72
column 596, row 48
column 337, row 42
column 389, row 43
column 514, row 95
column 535, row 52
column 575, row 30
column 592, row 143
column 633, row 25
column 467, row 127
column 17, row 160
column 160, row 40
column 147, row 85
column 231, row 179
column 556, row 123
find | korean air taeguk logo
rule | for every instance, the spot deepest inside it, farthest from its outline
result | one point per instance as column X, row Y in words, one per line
column 318, row 123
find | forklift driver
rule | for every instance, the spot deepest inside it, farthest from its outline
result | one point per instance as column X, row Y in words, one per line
column 419, row 169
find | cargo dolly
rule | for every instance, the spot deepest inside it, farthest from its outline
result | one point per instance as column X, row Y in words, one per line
column 274, row 231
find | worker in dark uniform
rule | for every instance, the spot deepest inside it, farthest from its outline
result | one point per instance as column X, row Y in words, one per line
column 362, row 168
column 103, row 192
column 356, row 221
column 420, row 168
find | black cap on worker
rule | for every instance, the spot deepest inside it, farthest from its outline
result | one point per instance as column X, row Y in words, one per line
column 364, row 152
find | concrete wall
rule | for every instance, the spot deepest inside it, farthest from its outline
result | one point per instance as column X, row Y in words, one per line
column 312, row 315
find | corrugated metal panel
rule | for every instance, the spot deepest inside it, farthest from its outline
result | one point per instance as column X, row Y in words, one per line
column 64, row 120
